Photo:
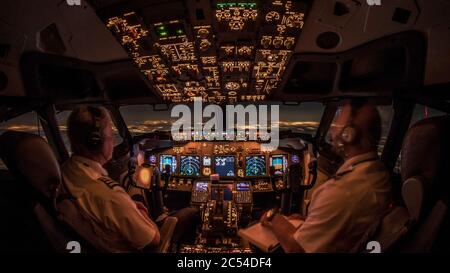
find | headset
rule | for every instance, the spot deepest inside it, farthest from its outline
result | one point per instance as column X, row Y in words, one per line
column 348, row 134
column 94, row 139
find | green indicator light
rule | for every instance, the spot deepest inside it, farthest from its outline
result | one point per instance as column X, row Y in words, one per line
column 233, row 4
column 179, row 31
column 164, row 33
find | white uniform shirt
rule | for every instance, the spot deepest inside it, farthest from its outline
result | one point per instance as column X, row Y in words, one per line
column 113, row 213
column 344, row 207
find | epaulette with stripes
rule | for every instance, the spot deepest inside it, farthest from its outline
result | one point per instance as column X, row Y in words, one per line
column 109, row 182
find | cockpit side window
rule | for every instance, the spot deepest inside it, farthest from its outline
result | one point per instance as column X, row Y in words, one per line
column 28, row 122
column 423, row 112
column 61, row 118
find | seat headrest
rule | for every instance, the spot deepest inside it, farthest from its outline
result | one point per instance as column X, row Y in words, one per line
column 426, row 150
column 30, row 157
column 413, row 193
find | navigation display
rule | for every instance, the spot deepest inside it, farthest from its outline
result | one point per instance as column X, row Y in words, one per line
column 190, row 165
column 224, row 165
column 279, row 163
column 170, row 160
column 255, row 165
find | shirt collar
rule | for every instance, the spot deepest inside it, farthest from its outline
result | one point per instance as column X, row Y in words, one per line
column 350, row 163
column 93, row 165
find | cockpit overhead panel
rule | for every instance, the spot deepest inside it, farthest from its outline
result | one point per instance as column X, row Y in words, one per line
column 239, row 55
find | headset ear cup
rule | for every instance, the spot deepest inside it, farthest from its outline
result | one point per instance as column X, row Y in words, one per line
column 348, row 134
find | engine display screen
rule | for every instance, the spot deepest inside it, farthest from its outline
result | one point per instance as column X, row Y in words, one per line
column 243, row 186
column 201, row 186
column 255, row 165
column 224, row 165
column 170, row 160
column 279, row 164
column 206, row 161
column 190, row 165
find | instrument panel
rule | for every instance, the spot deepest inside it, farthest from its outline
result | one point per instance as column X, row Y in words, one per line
column 228, row 160
column 229, row 182
column 238, row 161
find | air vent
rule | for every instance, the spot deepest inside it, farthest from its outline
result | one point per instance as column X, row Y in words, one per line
column 340, row 9
column 401, row 15
column 328, row 40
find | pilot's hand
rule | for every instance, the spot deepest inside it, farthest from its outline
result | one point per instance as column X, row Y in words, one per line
column 265, row 221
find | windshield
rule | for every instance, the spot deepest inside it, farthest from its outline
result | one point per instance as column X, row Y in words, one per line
column 302, row 118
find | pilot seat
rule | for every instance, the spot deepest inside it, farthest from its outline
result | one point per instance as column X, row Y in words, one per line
column 33, row 163
column 419, row 222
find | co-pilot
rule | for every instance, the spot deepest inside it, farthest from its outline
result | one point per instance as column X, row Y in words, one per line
column 344, row 207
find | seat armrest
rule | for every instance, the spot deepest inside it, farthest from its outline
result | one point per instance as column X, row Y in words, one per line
column 166, row 234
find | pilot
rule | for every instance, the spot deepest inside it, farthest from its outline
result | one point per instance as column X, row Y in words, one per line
column 114, row 215
column 346, row 206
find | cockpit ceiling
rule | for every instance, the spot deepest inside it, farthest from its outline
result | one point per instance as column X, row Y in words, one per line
column 224, row 52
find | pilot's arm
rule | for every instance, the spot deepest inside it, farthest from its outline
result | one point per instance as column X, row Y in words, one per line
column 328, row 217
column 284, row 231
column 123, row 215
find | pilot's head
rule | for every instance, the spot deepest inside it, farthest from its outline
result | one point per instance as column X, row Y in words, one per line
column 90, row 133
column 356, row 129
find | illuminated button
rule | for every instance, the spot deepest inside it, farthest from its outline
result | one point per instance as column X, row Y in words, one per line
column 277, row 42
column 265, row 42
column 272, row 16
column 233, row 86
column 289, row 42
column 204, row 44
column 272, row 58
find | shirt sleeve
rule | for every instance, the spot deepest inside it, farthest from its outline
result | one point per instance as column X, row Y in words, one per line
column 122, row 215
column 327, row 219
